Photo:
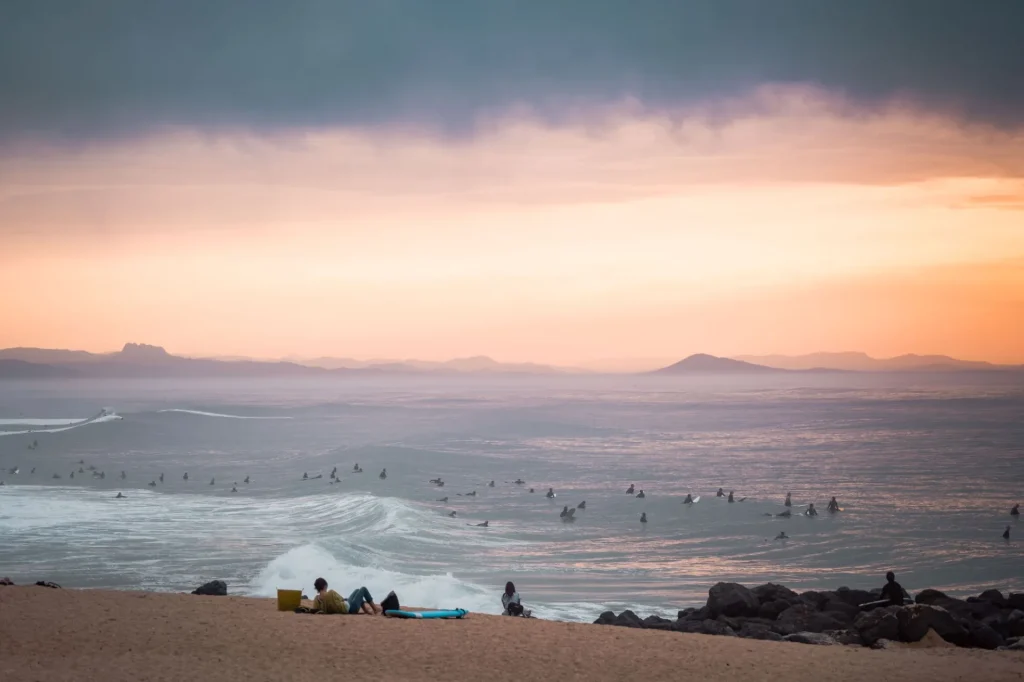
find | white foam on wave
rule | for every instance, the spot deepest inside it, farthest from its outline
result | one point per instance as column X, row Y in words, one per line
column 56, row 425
column 201, row 413
column 297, row 568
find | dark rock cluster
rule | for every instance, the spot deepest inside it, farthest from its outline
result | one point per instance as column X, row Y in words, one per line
column 214, row 588
column 775, row 612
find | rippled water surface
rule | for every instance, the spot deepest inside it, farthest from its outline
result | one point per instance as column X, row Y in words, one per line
column 925, row 468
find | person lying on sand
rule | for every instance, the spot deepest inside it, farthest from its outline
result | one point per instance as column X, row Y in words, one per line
column 511, row 603
column 329, row 601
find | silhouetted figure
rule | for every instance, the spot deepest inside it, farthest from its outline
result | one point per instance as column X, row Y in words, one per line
column 892, row 591
column 443, row 499
column 356, row 469
column 72, row 474
column 185, row 477
column 641, row 495
column 519, row 481
column 782, row 535
column 451, row 514
column 550, row 494
column 833, row 506
column 152, row 484
column 811, row 511
column 720, row 493
column 1015, row 511
column 643, row 517
column 234, row 489
column 689, row 499
column 629, row 490
column 305, row 476
column 246, row 480
column 123, row 475
column 531, row 490
column 119, row 497
column 212, row 481
column 161, row 478
column 1006, row 533
column 480, row 525
column 789, row 500
column 383, row 474
column 565, row 511
column 491, row 484
column 582, row 505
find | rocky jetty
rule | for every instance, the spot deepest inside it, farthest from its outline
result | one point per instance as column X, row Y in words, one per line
column 774, row 612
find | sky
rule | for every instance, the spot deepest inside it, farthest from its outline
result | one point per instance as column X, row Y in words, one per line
column 565, row 182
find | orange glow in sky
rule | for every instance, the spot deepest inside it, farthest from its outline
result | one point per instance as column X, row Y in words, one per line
column 801, row 226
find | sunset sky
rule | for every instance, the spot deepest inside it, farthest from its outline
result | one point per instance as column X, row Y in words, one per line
column 551, row 182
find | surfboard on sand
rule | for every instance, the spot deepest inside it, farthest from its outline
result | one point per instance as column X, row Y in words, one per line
column 448, row 613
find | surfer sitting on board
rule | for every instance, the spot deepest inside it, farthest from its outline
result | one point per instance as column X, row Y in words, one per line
column 511, row 603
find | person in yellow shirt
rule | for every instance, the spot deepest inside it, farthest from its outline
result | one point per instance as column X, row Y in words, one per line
column 329, row 601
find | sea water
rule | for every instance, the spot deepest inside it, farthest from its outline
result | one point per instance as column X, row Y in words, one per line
column 926, row 469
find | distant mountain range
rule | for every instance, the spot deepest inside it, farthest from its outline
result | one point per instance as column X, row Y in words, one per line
column 141, row 360
column 862, row 362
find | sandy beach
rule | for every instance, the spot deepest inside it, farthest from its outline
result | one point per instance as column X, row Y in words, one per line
column 76, row 635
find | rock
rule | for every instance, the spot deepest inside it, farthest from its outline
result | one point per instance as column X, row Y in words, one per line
column 815, row 599
column 929, row 597
column 882, row 644
column 1015, row 623
column 652, row 621
column 758, row 631
column 805, row 618
column 994, row 597
column 1016, row 646
column 982, row 636
column 840, row 610
column 916, row 620
column 878, row 624
column 1016, row 600
column 681, row 615
column 847, row 637
column 606, row 618
column 772, row 609
column 214, row 588
column 770, row 592
column 733, row 623
column 704, row 627
column 855, row 598
column 810, row 638
column 732, row 599
column 628, row 619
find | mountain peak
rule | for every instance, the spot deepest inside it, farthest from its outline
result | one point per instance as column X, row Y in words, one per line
column 143, row 351
column 702, row 362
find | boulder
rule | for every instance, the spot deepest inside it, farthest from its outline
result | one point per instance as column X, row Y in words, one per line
column 214, row 588
column 732, row 599
column 994, row 597
column 857, row 597
column 841, row 610
column 705, row 627
column 1015, row 623
column 628, row 619
column 1016, row 600
column 805, row 618
column 1016, row 646
column 772, row 609
column 810, row 638
column 847, row 637
column 770, row 592
column 916, row 620
column 758, row 631
column 657, row 623
column 930, row 597
column 606, row 618
column 878, row 624
column 685, row 613
column 816, row 599
column 982, row 636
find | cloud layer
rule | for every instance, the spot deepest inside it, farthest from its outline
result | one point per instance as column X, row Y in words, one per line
column 73, row 70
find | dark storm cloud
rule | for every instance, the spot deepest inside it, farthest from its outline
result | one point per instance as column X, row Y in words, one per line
column 113, row 67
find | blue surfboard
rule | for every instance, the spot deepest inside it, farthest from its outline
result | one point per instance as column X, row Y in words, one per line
column 449, row 613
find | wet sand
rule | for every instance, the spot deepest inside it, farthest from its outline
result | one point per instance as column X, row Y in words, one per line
column 96, row 635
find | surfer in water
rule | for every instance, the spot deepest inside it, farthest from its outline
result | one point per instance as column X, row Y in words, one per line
column 152, row 484
column 629, row 490
column 811, row 511
column 833, row 506
column 119, row 497
column 789, row 500
column 485, row 524
column 565, row 511
column 491, row 484
column 1015, row 511
column 305, row 476
column 212, row 481
column 641, row 495
column 782, row 535
column 570, row 515
column 582, row 505
column 531, row 490
column 1006, row 533
column 72, row 474
column 720, row 493
column 356, row 469
column 234, row 489
column 519, row 481
column 185, row 477
column 451, row 514
column 689, row 499
column 246, row 480
column 730, row 497
column 383, row 474
column 123, row 475
column 643, row 517
column 550, row 494
column 443, row 499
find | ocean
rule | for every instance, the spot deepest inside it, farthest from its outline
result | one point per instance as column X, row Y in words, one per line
column 925, row 467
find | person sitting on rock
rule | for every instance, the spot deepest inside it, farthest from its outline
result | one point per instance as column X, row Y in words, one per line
column 329, row 601
column 511, row 603
column 892, row 591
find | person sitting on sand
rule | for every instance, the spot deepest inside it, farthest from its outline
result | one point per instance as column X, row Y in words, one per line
column 329, row 601
column 892, row 591
column 511, row 603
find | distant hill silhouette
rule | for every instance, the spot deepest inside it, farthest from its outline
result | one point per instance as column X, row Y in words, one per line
column 862, row 362
column 19, row 369
column 702, row 363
